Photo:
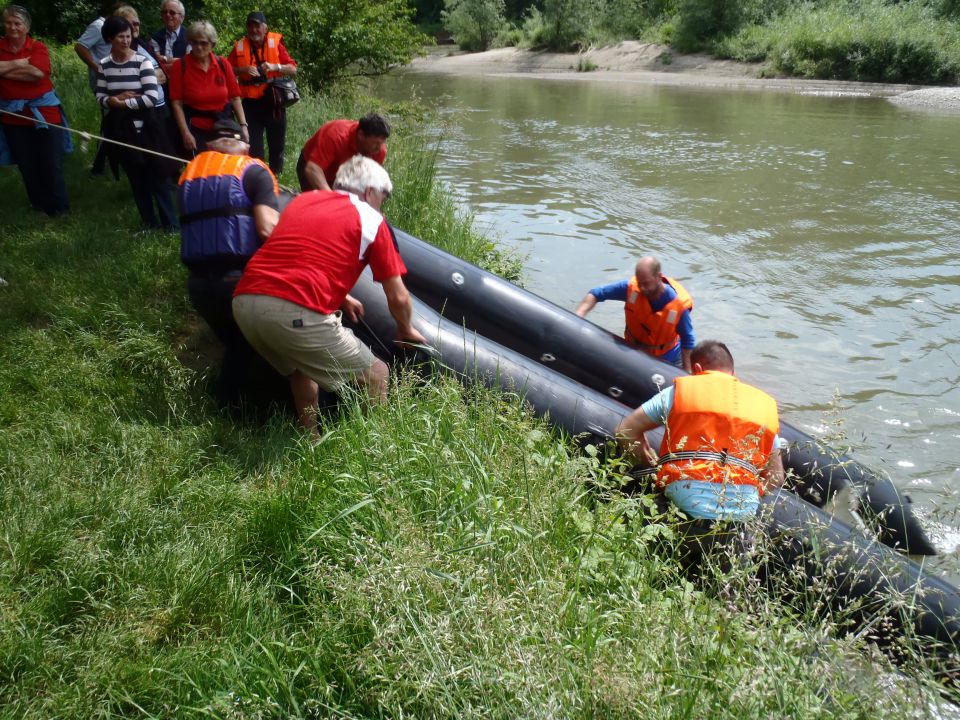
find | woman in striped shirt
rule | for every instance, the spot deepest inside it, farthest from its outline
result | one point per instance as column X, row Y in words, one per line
column 127, row 87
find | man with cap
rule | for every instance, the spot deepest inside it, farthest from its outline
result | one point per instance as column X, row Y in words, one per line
column 336, row 142
column 257, row 59
column 228, row 207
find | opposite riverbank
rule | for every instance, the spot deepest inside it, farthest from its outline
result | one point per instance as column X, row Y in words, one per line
column 654, row 64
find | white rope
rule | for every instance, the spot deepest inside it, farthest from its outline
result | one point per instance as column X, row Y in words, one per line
column 91, row 136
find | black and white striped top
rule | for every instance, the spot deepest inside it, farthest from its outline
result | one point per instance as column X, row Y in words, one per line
column 135, row 74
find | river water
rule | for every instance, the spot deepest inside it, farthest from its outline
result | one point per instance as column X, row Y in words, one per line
column 819, row 236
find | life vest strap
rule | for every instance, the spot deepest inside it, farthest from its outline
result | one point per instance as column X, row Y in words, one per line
column 228, row 211
column 722, row 458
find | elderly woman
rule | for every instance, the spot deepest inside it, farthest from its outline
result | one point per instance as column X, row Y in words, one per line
column 203, row 89
column 32, row 141
column 127, row 88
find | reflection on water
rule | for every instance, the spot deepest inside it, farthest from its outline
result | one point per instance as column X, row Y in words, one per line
column 818, row 235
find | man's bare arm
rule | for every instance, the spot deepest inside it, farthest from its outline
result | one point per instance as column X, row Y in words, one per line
column 631, row 437
column 265, row 218
column 315, row 177
column 586, row 305
column 398, row 300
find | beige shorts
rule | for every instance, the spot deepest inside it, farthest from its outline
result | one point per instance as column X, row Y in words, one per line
column 291, row 337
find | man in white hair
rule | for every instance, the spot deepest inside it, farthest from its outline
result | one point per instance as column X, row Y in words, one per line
column 289, row 301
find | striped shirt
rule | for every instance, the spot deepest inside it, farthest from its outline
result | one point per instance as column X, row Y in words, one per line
column 135, row 74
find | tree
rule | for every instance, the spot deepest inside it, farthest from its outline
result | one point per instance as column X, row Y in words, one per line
column 330, row 40
column 473, row 23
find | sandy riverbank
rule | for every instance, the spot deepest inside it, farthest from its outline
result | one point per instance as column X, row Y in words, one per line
column 647, row 63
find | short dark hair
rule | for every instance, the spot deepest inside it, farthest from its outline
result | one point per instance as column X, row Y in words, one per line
column 113, row 26
column 375, row 125
column 712, row 355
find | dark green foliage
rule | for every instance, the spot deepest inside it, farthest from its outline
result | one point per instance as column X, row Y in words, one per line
column 331, row 40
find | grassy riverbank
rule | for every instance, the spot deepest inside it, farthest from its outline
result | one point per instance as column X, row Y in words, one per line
column 436, row 557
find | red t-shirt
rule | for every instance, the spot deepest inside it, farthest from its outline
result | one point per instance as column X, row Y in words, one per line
column 36, row 52
column 333, row 144
column 207, row 90
column 318, row 250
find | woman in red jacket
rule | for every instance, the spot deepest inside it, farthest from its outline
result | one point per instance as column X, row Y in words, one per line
column 32, row 141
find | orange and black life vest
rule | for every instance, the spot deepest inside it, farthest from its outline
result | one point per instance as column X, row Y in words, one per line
column 216, row 216
column 655, row 332
column 254, row 87
column 718, row 430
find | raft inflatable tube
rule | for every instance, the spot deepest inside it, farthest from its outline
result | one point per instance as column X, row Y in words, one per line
column 894, row 596
column 592, row 356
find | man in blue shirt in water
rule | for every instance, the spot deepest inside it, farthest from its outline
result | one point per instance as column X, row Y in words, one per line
column 656, row 309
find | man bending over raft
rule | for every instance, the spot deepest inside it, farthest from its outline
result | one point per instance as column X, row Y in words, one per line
column 336, row 142
column 289, row 301
column 720, row 447
column 657, row 312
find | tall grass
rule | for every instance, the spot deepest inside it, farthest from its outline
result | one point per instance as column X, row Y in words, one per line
column 868, row 40
column 436, row 557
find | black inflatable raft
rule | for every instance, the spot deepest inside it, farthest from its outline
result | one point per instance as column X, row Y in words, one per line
column 592, row 356
column 893, row 596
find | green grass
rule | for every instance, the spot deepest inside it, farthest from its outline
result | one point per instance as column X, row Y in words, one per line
column 441, row 556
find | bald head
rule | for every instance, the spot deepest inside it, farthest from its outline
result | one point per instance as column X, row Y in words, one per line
column 648, row 277
column 712, row 355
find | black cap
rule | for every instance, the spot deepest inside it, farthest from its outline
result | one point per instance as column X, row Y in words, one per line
column 256, row 16
column 227, row 129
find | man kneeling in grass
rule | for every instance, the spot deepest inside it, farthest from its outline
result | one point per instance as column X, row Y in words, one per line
column 720, row 447
column 289, row 301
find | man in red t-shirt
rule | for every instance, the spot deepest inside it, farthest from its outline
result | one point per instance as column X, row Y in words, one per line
column 289, row 299
column 335, row 143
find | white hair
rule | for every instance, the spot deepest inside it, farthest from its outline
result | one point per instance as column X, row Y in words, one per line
column 360, row 173
column 180, row 8
column 202, row 29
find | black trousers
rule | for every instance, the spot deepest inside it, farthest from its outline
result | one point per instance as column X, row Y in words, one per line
column 38, row 153
column 246, row 379
column 149, row 186
column 260, row 120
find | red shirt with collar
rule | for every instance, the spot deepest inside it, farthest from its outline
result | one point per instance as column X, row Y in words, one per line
column 318, row 249
column 207, row 90
column 333, row 144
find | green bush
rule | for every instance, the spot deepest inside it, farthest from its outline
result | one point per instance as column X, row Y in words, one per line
column 332, row 40
column 868, row 41
column 474, row 23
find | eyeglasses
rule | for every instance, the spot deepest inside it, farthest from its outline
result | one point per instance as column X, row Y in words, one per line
column 201, row 43
column 134, row 24
column 169, row 12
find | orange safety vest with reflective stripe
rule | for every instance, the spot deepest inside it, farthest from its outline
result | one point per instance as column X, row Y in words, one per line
column 718, row 430
column 655, row 332
column 216, row 216
column 256, row 87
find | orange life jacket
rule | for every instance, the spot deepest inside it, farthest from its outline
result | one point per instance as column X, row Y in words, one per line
column 655, row 332
column 255, row 87
column 719, row 430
